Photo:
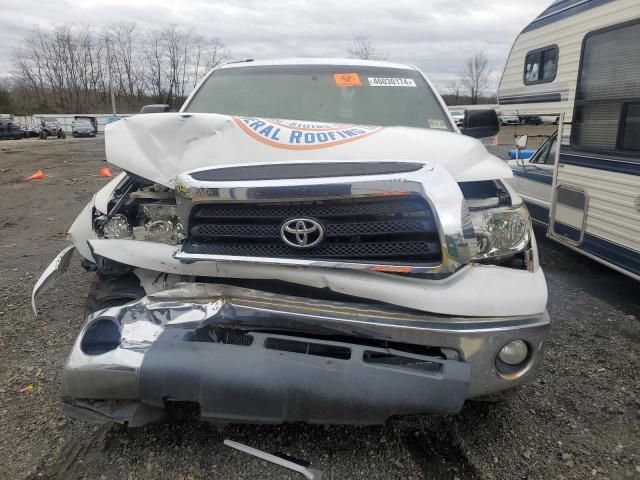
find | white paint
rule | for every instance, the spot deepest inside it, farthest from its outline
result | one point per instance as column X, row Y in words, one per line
column 162, row 145
column 82, row 230
column 53, row 271
column 473, row 291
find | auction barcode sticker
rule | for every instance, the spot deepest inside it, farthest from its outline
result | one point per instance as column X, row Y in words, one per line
column 391, row 82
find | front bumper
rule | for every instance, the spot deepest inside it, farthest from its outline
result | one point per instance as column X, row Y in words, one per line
column 239, row 355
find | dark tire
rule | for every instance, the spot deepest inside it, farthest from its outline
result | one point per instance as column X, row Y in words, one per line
column 113, row 290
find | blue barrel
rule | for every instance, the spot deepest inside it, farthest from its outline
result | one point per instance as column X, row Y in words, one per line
column 523, row 154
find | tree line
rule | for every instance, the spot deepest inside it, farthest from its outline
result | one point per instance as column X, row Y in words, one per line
column 65, row 69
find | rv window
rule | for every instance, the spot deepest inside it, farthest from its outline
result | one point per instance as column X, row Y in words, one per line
column 631, row 132
column 541, row 65
column 607, row 112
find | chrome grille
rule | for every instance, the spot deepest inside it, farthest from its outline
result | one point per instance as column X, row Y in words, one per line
column 391, row 229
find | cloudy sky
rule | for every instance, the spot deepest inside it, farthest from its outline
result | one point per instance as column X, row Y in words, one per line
column 436, row 35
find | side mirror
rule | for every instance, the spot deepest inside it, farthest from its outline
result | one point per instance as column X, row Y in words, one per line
column 155, row 108
column 480, row 123
column 521, row 141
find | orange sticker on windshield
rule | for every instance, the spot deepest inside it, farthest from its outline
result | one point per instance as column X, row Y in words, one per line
column 347, row 80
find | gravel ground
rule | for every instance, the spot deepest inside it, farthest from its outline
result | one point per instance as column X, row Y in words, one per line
column 580, row 418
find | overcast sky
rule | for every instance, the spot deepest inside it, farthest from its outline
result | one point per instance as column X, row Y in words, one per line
column 436, row 35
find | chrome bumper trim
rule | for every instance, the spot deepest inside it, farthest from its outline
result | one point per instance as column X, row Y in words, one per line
column 192, row 306
column 376, row 267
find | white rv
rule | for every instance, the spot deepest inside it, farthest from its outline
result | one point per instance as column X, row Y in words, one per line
column 580, row 61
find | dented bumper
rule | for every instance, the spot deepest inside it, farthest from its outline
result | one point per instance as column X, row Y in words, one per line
column 240, row 355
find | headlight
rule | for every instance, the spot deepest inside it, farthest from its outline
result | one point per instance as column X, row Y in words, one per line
column 501, row 232
column 115, row 227
column 153, row 223
column 158, row 223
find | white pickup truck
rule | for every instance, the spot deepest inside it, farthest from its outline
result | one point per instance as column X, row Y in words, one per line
column 306, row 240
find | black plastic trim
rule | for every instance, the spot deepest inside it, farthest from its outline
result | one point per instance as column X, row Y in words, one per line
column 302, row 170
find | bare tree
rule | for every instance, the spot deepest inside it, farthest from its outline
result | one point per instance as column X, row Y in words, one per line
column 154, row 56
column 475, row 77
column 454, row 88
column 176, row 45
column 208, row 53
column 6, row 105
column 126, row 61
column 363, row 48
column 64, row 69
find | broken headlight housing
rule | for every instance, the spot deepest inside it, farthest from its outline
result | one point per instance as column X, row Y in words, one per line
column 158, row 223
column 146, row 213
column 501, row 232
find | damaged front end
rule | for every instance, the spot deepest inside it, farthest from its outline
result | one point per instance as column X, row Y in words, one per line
column 334, row 291
column 232, row 354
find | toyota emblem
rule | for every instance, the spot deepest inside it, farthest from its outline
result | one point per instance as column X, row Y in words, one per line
column 302, row 232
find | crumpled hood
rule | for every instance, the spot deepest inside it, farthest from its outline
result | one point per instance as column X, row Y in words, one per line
column 160, row 146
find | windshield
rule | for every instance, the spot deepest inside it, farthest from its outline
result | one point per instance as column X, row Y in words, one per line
column 324, row 93
column 83, row 122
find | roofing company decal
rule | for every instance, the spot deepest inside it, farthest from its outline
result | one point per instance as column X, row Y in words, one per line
column 302, row 135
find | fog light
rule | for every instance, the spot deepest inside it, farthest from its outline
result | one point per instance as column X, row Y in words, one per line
column 514, row 353
column 102, row 336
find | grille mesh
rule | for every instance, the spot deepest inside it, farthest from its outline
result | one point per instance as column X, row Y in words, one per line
column 319, row 209
column 389, row 229
column 325, row 250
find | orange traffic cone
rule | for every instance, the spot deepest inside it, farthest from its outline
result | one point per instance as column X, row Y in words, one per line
column 105, row 172
column 39, row 175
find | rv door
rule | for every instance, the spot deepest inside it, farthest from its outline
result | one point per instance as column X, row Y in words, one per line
column 569, row 203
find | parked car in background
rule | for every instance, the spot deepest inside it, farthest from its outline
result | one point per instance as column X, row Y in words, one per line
column 506, row 119
column 549, row 119
column 32, row 131
column 84, row 127
column 530, row 119
column 24, row 129
column 458, row 116
column 10, row 130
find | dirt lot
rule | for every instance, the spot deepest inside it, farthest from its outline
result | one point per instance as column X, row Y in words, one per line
column 580, row 419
